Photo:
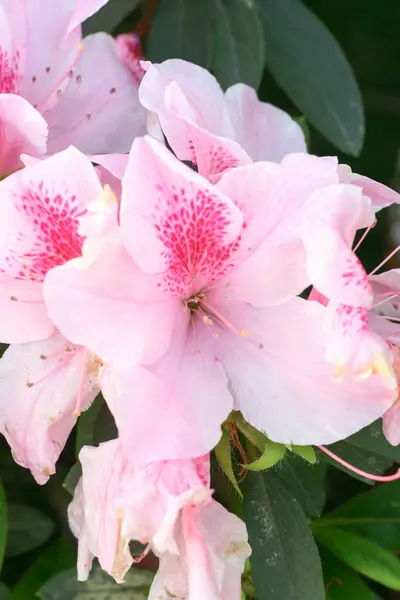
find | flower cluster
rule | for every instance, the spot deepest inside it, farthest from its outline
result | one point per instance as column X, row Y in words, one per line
column 169, row 280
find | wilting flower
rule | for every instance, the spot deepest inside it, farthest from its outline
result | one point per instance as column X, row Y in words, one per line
column 196, row 311
column 166, row 506
column 45, row 381
column 50, row 84
column 213, row 130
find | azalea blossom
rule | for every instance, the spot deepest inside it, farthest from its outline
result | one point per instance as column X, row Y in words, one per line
column 195, row 309
column 213, row 130
column 167, row 506
column 50, row 91
column 45, row 381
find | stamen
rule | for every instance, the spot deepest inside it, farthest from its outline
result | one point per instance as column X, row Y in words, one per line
column 364, row 235
column 370, row 476
column 61, row 364
column 243, row 333
column 55, row 354
column 394, row 319
column 385, row 260
column 15, row 299
column 392, row 296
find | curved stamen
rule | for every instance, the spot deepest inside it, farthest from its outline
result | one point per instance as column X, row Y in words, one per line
column 370, row 476
column 392, row 296
column 240, row 333
column 385, row 260
column 364, row 235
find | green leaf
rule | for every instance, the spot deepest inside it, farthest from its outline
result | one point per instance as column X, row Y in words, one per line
column 374, row 514
column 305, row 483
column 254, row 436
column 285, row 562
column 181, row 29
column 3, row 524
column 109, row 16
column 224, row 458
column 237, row 43
column 372, row 438
column 86, row 425
column 27, row 529
column 306, row 452
column 104, row 428
column 359, row 457
column 361, row 554
column 4, row 591
column 72, row 478
column 99, row 586
column 59, row 556
column 341, row 582
column 272, row 454
column 311, row 68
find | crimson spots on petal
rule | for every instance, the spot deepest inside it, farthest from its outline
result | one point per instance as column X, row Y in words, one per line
column 50, row 236
column 193, row 231
column 354, row 318
column 355, row 275
column 10, row 77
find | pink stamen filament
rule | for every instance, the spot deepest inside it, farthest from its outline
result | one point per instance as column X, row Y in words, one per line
column 364, row 235
column 64, row 349
column 15, row 299
column 394, row 319
column 370, row 476
column 385, row 261
column 78, row 405
column 392, row 297
column 242, row 334
column 60, row 365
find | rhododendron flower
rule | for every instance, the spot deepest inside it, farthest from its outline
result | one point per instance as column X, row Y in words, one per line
column 213, row 130
column 50, row 86
column 195, row 309
column 45, row 381
column 168, row 507
column 332, row 217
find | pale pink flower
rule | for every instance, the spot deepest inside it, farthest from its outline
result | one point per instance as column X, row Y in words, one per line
column 168, row 507
column 45, row 380
column 129, row 48
column 213, row 130
column 50, row 84
column 196, row 309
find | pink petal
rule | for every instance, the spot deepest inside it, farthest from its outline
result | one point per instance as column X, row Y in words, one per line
column 13, row 47
column 332, row 217
column 83, row 10
column 97, row 114
column 281, row 382
column 391, row 424
column 110, row 307
column 22, row 129
column 272, row 198
column 188, row 389
column 43, row 393
column 111, row 169
column 264, row 131
column 380, row 194
column 174, row 222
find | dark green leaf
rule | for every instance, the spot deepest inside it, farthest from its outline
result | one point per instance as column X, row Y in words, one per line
column 361, row 554
column 100, row 586
column 372, row 438
column 305, row 483
column 3, row 524
column 181, row 29
column 374, row 514
column 86, row 424
column 362, row 458
column 4, row 591
column 57, row 557
column 285, row 562
column 237, row 43
column 27, row 529
column 105, row 428
column 341, row 582
column 311, row 68
column 223, row 453
column 108, row 17
column 72, row 478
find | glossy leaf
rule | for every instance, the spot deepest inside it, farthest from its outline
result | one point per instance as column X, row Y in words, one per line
column 362, row 458
column 223, row 453
column 86, row 424
column 272, row 454
column 3, row 524
column 311, row 68
column 72, row 478
column 341, row 582
column 27, row 529
column 99, row 586
column 372, row 438
column 109, row 16
column 59, row 556
column 374, row 514
column 285, row 561
column 237, row 43
column 361, row 554
column 305, row 483
column 181, row 29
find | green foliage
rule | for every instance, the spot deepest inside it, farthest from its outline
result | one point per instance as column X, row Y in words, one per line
column 223, row 453
column 3, row 524
column 27, row 529
column 284, row 561
column 272, row 454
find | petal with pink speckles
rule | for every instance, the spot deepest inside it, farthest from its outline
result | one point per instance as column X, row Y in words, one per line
column 98, row 115
column 173, row 222
column 22, row 129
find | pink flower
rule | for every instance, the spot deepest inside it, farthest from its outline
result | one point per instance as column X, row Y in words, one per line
column 166, row 505
column 50, row 87
column 196, row 312
column 48, row 379
column 213, row 130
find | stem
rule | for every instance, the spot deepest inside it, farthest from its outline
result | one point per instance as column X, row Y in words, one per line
column 143, row 26
column 370, row 476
